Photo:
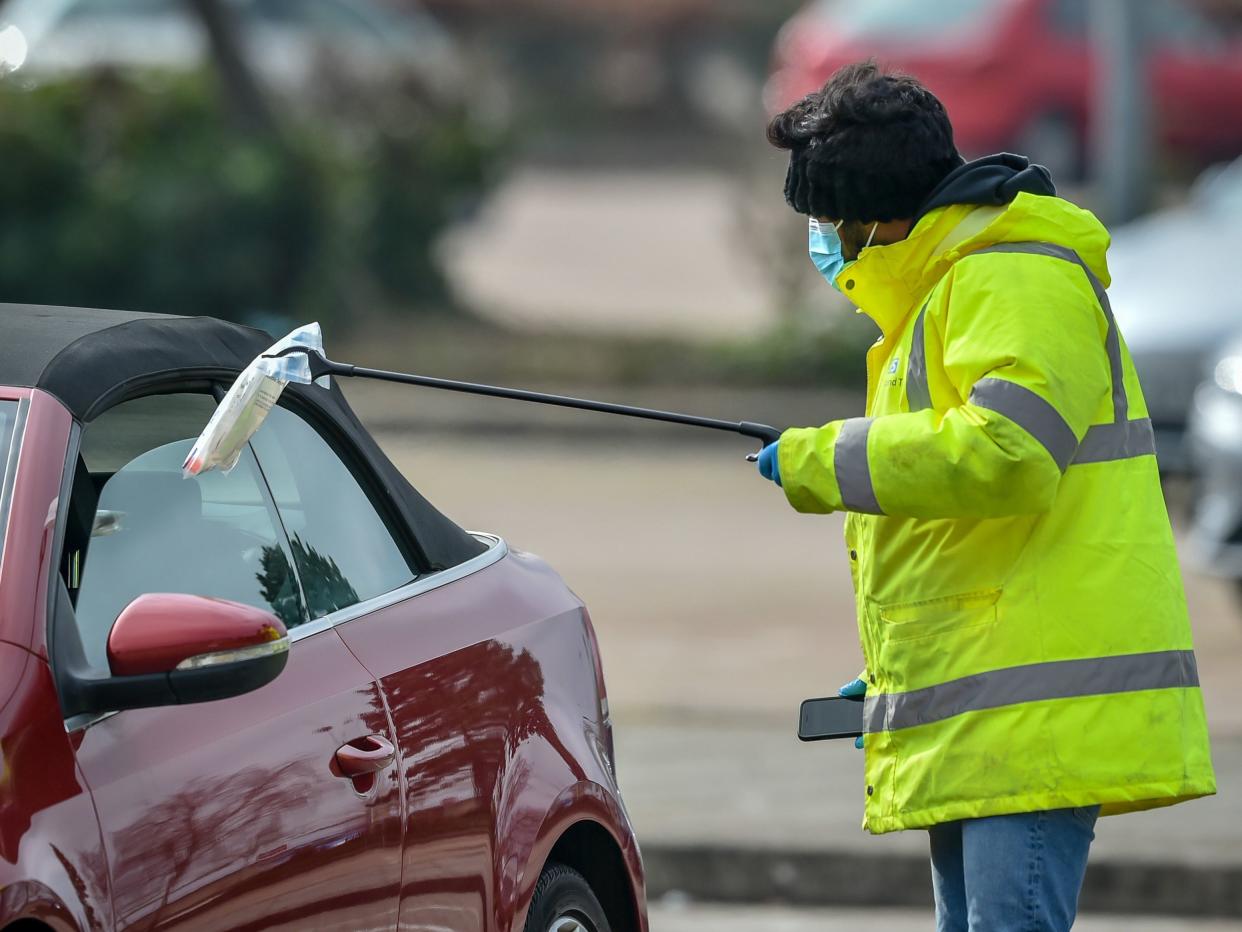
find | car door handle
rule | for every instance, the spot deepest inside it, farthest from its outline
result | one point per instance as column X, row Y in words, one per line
column 365, row 755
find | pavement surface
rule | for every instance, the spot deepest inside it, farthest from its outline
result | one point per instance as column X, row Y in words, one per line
column 718, row 610
column 618, row 252
column 693, row 917
column 781, row 794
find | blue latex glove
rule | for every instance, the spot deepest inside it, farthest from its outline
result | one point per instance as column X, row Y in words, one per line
column 853, row 690
column 769, row 466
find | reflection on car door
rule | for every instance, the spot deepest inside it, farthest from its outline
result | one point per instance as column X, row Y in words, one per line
column 461, row 690
column 233, row 814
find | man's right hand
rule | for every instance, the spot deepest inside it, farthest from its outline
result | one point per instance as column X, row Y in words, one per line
column 855, row 689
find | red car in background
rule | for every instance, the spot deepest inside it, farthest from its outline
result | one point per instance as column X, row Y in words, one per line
column 1016, row 74
column 293, row 695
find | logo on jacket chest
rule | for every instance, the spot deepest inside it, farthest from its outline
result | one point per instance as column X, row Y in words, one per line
column 892, row 373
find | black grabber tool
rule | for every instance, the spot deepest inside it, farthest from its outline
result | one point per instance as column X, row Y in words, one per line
column 320, row 365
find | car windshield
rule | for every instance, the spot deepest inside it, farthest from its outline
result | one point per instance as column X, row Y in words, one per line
column 905, row 19
column 10, row 439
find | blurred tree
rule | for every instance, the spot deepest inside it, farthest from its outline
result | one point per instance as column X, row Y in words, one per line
column 242, row 88
column 122, row 191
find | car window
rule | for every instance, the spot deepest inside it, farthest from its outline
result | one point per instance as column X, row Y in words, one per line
column 153, row 531
column 343, row 550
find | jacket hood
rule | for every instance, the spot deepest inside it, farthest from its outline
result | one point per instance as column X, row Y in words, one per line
column 889, row 280
column 992, row 181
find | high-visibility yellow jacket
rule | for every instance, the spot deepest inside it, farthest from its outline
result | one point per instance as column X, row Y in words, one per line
column 1019, row 601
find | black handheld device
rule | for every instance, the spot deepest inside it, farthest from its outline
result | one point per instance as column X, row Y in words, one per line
column 830, row 717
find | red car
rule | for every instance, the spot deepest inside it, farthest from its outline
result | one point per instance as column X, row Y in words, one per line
column 1016, row 74
column 293, row 695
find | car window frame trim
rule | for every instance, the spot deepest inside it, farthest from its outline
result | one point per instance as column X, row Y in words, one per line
column 497, row 550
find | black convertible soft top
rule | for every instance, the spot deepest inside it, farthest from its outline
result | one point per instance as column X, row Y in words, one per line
column 93, row 359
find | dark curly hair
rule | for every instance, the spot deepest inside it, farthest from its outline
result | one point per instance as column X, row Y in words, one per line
column 870, row 145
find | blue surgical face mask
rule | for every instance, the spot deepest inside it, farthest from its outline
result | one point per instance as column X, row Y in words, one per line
column 825, row 249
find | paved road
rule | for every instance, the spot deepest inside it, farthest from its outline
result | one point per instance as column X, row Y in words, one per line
column 690, row 783
column 623, row 252
column 708, row 918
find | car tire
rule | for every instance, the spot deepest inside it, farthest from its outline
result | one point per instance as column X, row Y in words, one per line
column 563, row 902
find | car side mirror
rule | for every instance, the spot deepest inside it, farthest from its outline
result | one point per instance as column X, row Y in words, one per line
column 173, row 648
column 209, row 648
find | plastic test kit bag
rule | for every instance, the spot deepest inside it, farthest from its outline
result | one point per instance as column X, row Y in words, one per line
column 246, row 404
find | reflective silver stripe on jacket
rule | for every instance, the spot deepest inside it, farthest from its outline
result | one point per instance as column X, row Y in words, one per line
column 1122, row 439
column 1030, row 412
column 1106, row 442
column 849, row 462
column 918, row 395
column 1057, row 679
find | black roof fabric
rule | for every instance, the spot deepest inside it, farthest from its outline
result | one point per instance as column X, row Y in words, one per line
column 31, row 336
column 92, row 359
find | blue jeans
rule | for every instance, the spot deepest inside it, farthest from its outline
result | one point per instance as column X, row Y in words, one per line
column 1011, row 873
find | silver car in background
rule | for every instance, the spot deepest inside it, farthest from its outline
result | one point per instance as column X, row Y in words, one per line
column 1177, row 297
column 1215, row 443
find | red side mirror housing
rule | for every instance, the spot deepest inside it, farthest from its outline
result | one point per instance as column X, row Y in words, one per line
column 162, row 632
column 172, row 648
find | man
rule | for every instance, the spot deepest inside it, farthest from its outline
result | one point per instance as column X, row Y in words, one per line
column 1028, row 654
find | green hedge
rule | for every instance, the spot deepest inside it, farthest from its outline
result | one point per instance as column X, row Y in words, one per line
column 139, row 192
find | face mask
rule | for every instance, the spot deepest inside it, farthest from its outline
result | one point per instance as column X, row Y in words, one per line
column 825, row 249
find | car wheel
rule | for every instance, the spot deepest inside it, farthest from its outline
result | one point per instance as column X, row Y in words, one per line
column 563, row 902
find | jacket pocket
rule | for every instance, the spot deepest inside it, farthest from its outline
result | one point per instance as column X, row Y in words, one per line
column 906, row 621
column 933, row 641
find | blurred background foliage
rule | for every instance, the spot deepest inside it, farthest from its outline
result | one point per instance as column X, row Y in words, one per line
column 123, row 189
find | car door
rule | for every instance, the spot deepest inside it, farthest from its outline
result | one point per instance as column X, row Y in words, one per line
column 463, row 690
column 280, row 808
